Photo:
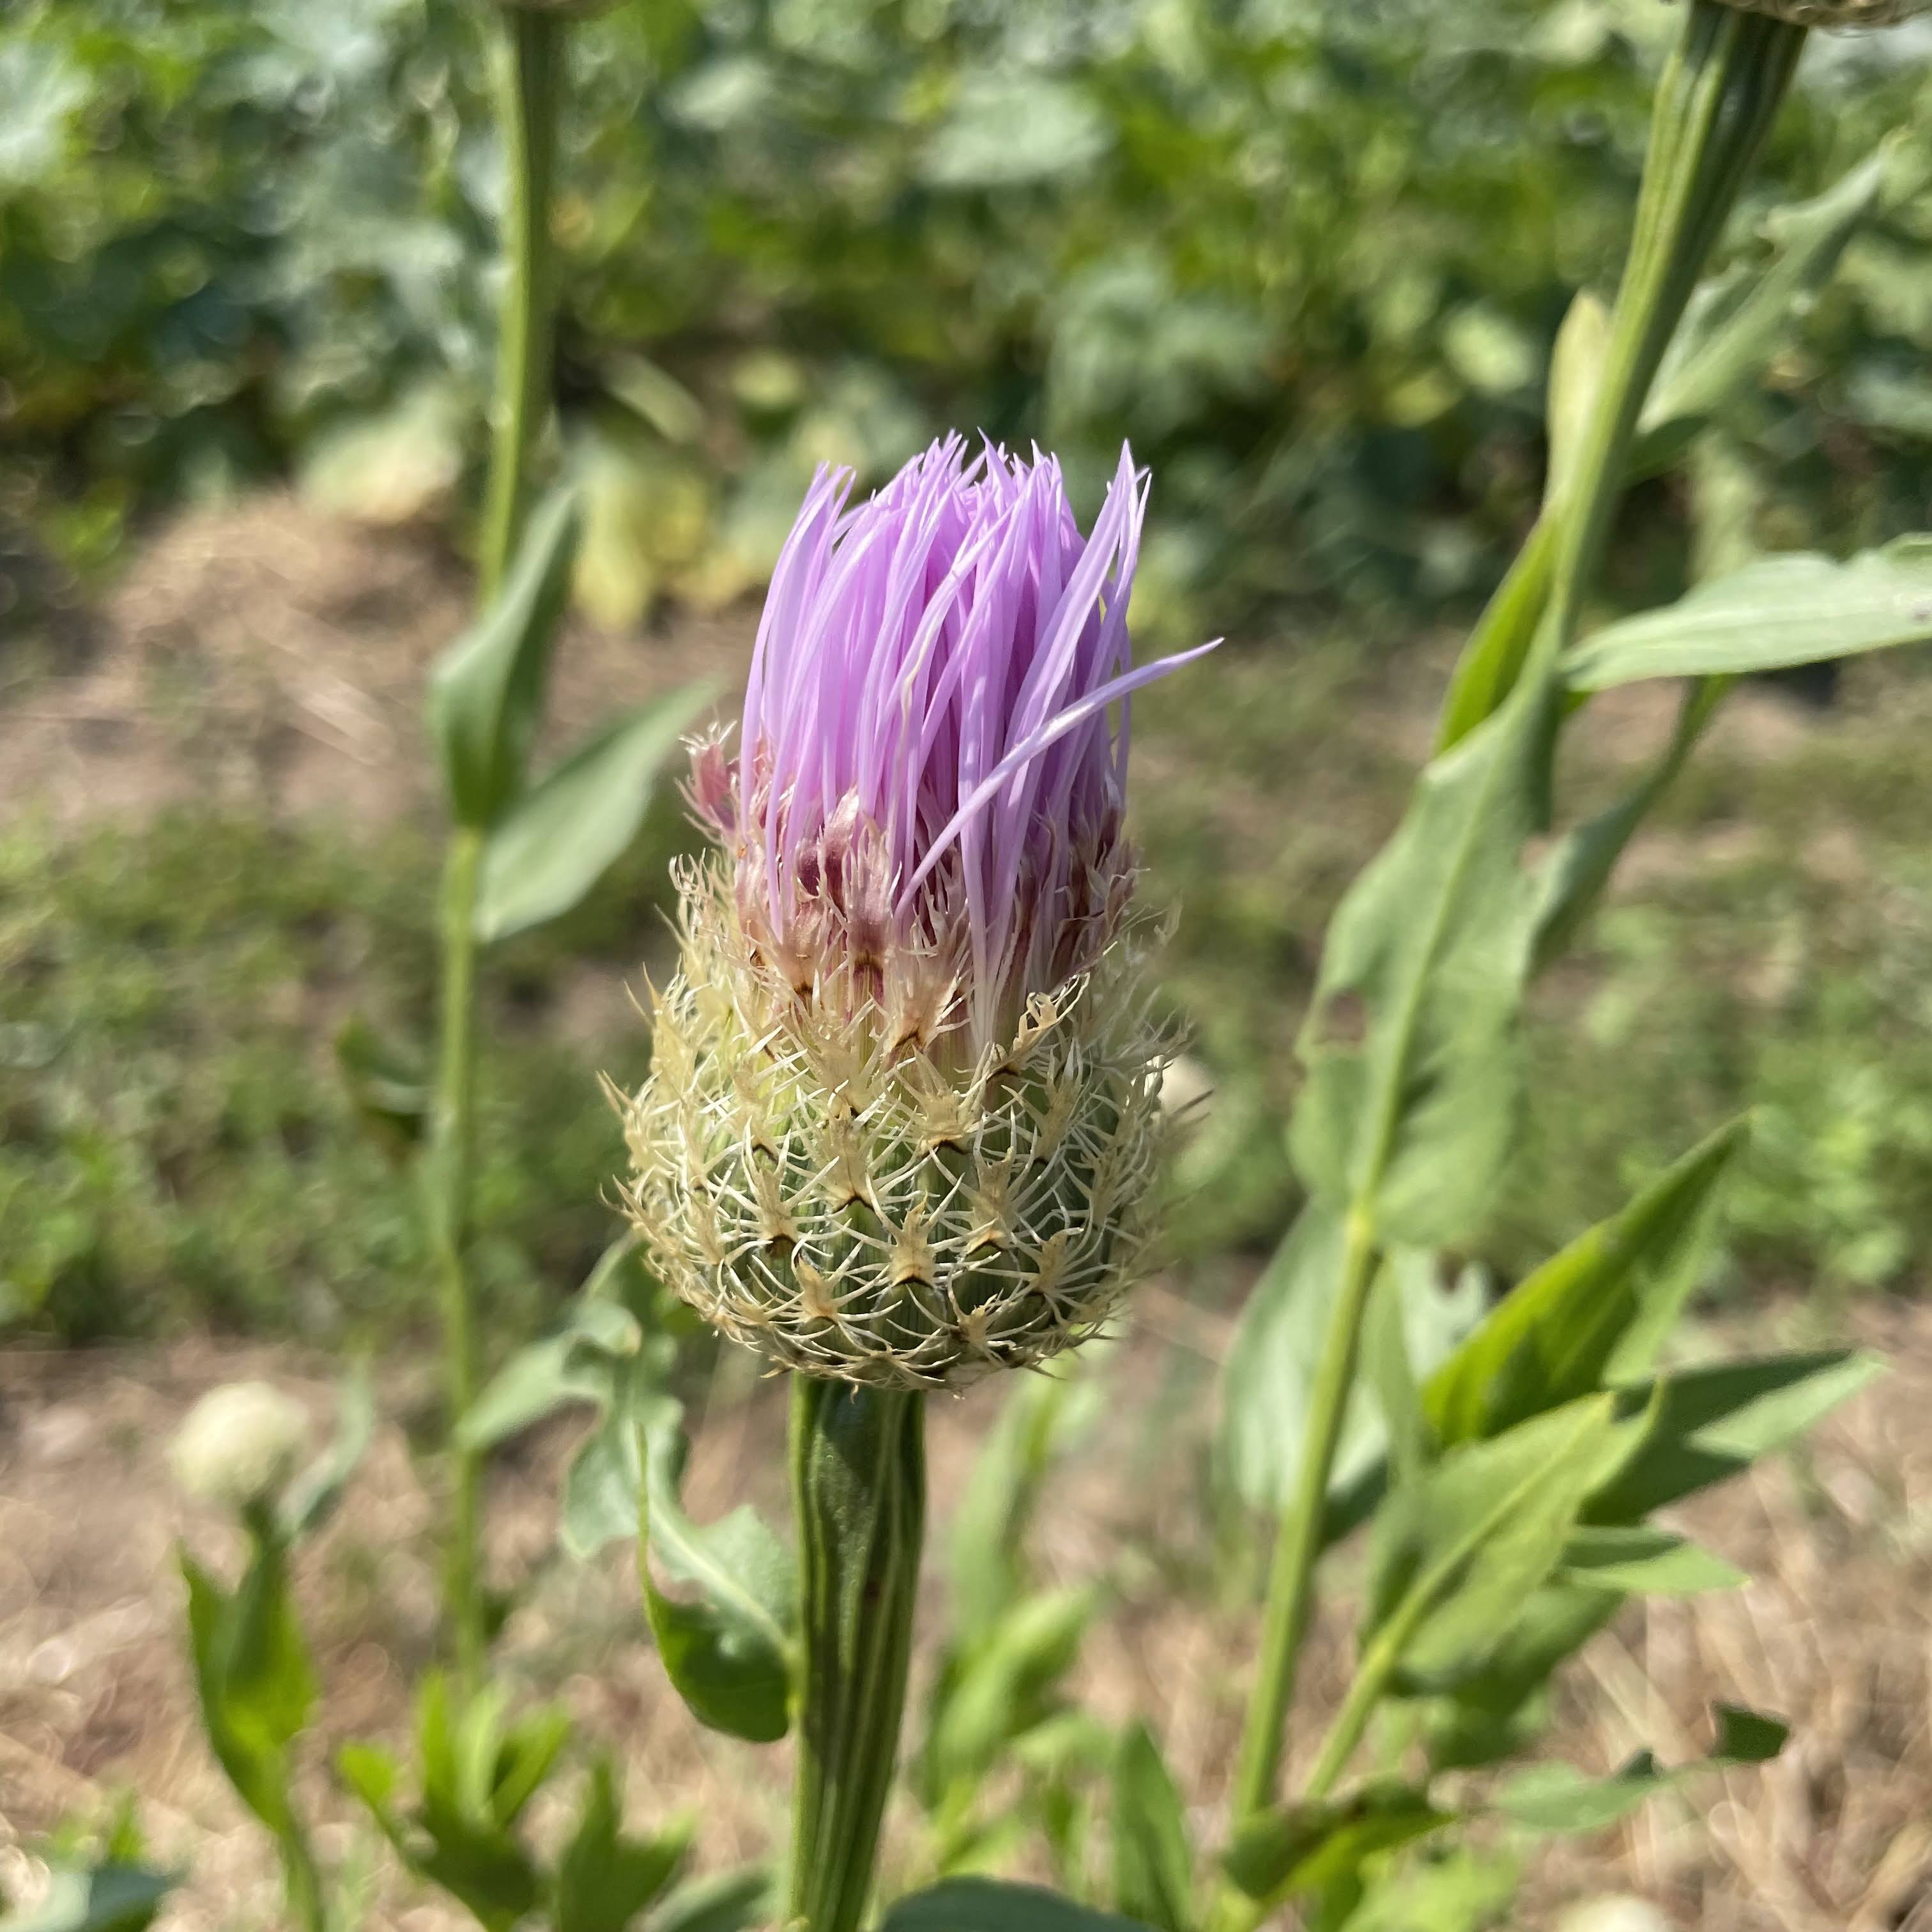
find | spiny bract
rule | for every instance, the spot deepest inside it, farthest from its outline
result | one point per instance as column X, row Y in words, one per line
column 903, row 1117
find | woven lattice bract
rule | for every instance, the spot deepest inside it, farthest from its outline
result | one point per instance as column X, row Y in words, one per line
column 860, row 1208
column 1835, row 12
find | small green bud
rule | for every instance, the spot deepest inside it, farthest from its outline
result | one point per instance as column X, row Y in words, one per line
column 239, row 1444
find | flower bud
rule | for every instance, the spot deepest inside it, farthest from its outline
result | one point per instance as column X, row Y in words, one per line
column 239, row 1444
column 904, row 1108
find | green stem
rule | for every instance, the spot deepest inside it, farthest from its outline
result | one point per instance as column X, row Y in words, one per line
column 1719, row 93
column 1716, row 101
column 302, row 1883
column 1291, row 1581
column 858, row 1469
column 531, row 68
column 447, row 1176
column 531, row 71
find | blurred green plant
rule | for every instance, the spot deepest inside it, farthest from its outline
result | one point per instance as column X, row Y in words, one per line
column 1310, row 258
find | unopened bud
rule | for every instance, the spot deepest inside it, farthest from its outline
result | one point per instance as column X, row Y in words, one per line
column 903, row 1115
column 239, row 1444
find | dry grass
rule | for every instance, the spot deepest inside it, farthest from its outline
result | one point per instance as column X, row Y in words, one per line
column 1834, row 1632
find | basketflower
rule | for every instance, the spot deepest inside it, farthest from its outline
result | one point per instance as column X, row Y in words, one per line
column 903, row 1112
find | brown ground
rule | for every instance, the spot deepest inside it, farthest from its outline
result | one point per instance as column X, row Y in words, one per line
column 261, row 655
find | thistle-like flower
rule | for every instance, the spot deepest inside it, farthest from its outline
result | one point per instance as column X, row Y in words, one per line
column 903, row 1111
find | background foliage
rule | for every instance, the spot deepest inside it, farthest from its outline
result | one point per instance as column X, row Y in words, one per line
column 1308, row 256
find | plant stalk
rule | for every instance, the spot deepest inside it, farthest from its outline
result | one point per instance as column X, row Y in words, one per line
column 1719, row 93
column 531, row 76
column 530, row 69
column 1291, row 1579
column 447, row 1175
column 858, row 1470
column 1716, row 100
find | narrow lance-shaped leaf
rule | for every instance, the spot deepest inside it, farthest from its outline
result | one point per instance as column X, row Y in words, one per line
column 487, row 690
column 1559, row 1798
column 1413, row 1042
column 1552, row 1337
column 1453, row 1556
column 728, row 1648
column 1153, row 1863
column 1644, row 1561
column 605, row 1878
column 1704, row 1425
column 561, row 836
column 312, row 1497
column 1795, row 609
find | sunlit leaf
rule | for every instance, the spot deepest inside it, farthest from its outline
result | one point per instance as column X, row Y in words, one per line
column 487, row 690
column 1153, row 1862
column 565, row 832
column 727, row 1645
column 1795, row 609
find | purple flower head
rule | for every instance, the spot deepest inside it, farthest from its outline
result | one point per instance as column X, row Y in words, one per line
column 925, row 816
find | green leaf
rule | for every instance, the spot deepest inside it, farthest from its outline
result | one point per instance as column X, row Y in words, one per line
column 559, row 838
column 1736, row 319
column 311, row 1498
column 1305, row 1847
column 252, row 1675
column 733, row 1901
column 575, row 1364
column 1554, row 1337
column 1462, row 1891
column 388, row 1088
column 1560, row 1797
column 1578, row 870
column 1644, row 1561
column 986, row 1905
column 728, row 1648
column 1153, row 1863
column 477, row 1775
column 1413, row 1044
column 1704, row 1426
column 1001, row 1688
column 487, row 690
column 1799, row 608
column 604, row 1879
column 108, row 1896
column 1454, row 1555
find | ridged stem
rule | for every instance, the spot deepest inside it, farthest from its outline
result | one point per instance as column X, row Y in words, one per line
column 858, row 1471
